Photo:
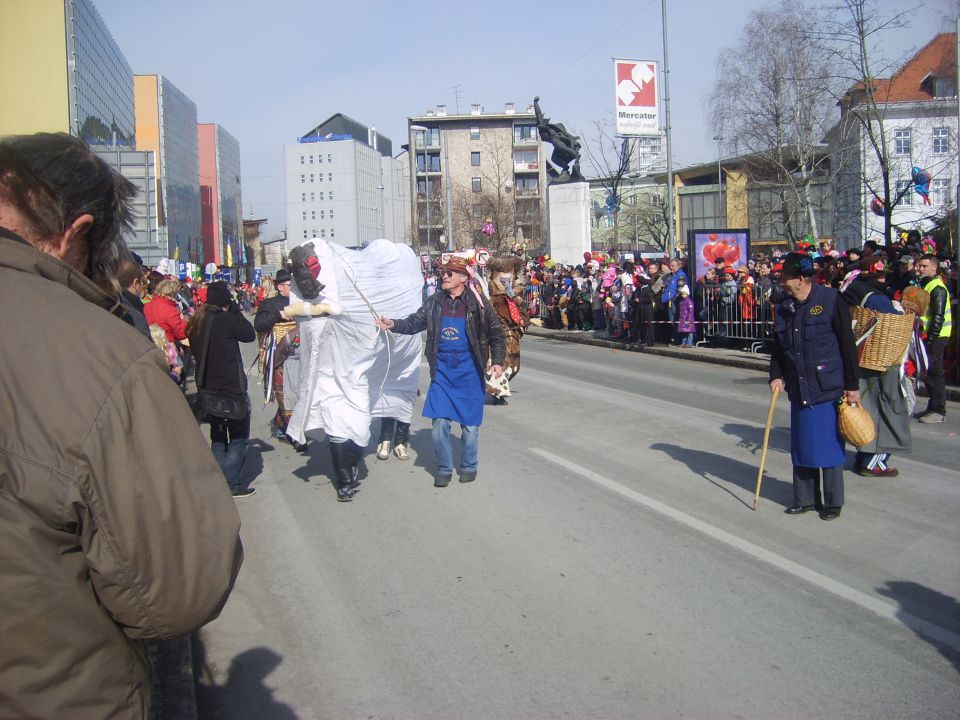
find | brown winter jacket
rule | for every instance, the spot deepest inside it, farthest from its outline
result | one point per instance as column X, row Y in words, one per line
column 116, row 524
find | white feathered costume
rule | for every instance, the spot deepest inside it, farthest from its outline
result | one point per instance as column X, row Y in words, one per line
column 350, row 371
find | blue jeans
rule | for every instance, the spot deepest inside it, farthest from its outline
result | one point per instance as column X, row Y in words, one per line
column 469, row 445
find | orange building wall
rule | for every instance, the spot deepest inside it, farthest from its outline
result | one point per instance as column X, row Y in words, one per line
column 146, row 115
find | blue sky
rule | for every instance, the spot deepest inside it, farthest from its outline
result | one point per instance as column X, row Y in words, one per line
column 269, row 71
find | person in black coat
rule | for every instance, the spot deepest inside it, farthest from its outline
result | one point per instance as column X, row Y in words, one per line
column 271, row 312
column 220, row 320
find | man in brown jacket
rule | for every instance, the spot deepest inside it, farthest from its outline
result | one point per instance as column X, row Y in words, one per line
column 116, row 525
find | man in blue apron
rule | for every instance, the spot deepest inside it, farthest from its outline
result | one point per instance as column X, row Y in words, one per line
column 815, row 361
column 463, row 330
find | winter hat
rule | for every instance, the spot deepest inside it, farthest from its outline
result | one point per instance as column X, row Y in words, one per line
column 684, row 290
column 218, row 293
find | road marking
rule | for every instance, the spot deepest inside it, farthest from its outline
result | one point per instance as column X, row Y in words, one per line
column 874, row 605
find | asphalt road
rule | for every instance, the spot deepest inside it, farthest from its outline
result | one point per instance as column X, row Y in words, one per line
column 606, row 564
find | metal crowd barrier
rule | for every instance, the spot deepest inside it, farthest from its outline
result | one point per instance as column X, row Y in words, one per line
column 745, row 315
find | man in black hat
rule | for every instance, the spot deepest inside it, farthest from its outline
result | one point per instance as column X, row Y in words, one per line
column 273, row 311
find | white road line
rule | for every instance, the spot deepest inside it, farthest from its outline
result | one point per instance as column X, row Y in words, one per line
column 874, row 605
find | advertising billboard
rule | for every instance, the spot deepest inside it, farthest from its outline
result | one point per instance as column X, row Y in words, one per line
column 637, row 98
column 708, row 246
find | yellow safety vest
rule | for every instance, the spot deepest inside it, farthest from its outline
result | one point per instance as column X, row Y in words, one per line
column 947, row 326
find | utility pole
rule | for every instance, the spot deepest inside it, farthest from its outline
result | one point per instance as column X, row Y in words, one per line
column 666, row 117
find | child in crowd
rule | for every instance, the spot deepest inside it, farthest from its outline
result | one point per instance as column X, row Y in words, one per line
column 685, row 320
column 169, row 350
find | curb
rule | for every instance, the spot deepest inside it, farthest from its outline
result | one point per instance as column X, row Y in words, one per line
column 704, row 355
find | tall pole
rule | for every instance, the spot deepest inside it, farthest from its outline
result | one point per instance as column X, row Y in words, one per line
column 446, row 185
column 666, row 119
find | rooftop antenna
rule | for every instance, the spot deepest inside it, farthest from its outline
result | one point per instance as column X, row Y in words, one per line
column 457, row 92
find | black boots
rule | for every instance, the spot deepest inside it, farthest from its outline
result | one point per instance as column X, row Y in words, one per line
column 346, row 457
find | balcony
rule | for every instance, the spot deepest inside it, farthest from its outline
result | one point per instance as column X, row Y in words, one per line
column 525, row 167
column 525, row 141
column 527, row 192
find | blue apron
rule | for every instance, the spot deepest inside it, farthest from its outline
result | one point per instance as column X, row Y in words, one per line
column 815, row 440
column 456, row 392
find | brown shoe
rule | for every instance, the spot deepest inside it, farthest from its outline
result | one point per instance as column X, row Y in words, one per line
column 878, row 472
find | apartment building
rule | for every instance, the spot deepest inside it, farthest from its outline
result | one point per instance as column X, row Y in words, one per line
column 476, row 170
column 917, row 111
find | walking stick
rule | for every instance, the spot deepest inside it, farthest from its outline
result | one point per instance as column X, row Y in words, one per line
column 766, row 442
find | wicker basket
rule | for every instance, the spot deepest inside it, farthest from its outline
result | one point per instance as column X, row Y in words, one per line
column 855, row 424
column 282, row 328
column 887, row 344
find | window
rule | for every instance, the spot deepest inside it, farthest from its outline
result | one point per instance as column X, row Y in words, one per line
column 475, row 184
column 322, row 214
column 304, row 214
column 941, row 140
column 905, row 187
column 329, row 157
column 330, row 195
column 475, row 159
column 301, row 159
column 320, row 159
column 524, row 133
column 304, row 234
column 331, row 214
column 477, row 211
column 901, row 141
column 321, row 177
column 313, row 215
column 331, row 232
column 303, row 178
column 330, row 177
column 313, row 196
column 474, row 133
column 943, row 87
column 632, row 200
column 311, row 177
column 940, row 192
column 303, row 196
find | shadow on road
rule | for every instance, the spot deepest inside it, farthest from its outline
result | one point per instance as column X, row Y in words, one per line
column 253, row 464
column 727, row 470
column 751, row 437
column 245, row 693
column 919, row 601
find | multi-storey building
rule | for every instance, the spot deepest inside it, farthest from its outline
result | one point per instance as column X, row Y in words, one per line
column 166, row 123
column 220, row 202
column 916, row 114
column 474, row 171
column 62, row 71
column 343, row 184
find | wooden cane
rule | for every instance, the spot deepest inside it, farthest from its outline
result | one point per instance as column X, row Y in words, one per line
column 766, row 442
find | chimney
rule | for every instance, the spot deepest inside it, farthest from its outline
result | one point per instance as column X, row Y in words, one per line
column 430, row 113
column 530, row 110
column 509, row 110
column 475, row 109
column 441, row 110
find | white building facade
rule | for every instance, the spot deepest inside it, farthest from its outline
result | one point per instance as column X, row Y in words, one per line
column 343, row 185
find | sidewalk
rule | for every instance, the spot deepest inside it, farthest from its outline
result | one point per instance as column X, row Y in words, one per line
column 718, row 356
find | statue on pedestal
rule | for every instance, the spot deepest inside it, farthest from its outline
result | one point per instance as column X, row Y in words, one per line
column 564, row 163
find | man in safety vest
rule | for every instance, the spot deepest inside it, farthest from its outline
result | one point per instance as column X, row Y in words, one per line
column 937, row 324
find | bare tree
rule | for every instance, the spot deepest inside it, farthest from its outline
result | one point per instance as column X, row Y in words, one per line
column 869, row 154
column 771, row 102
column 491, row 200
column 609, row 157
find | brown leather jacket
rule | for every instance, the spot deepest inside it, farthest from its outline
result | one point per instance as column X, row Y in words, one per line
column 116, row 524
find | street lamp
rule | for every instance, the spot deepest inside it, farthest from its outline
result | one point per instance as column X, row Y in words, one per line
column 426, row 175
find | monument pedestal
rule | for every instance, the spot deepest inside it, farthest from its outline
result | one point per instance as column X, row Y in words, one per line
column 568, row 210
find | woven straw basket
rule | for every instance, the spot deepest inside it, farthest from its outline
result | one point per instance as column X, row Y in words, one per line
column 855, row 424
column 887, row 343
column 281, row 329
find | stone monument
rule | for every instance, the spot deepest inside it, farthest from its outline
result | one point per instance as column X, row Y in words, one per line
column 568, row 194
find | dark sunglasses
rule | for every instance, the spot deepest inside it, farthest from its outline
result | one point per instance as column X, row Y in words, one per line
column 451, row 273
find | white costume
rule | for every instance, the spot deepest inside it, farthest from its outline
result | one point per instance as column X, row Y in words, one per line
column 350, row 371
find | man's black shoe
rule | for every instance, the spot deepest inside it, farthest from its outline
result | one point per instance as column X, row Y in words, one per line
column 830, row 513
column 442, row 480
column 799, row 509
column 299, row 447
column 467, row 476
column 243, row 492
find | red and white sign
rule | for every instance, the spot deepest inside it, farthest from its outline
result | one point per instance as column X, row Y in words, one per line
column 483, row 254
column 637, row 100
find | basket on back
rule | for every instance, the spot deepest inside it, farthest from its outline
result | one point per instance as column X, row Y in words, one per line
column 887, row 337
